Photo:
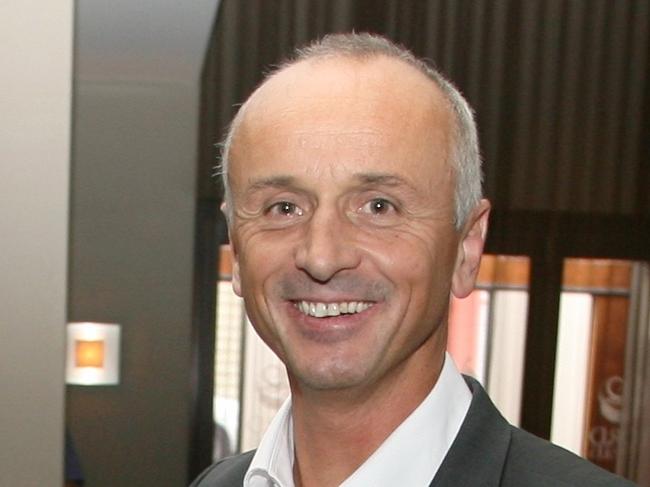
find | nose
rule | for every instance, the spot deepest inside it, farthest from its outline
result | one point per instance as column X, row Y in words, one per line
column 327, row 246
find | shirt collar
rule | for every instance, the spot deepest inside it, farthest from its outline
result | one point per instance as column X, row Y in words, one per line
column 421, row 441
column 272, row 464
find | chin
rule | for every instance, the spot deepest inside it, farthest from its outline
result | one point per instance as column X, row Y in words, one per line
column 331, row 377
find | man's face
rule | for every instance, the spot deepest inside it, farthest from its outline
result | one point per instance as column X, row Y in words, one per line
column 342, row 228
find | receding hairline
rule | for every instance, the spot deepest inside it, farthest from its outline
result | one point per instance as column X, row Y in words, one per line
column 259, row 95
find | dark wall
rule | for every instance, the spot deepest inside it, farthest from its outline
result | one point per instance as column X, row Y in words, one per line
column 131, row 251
column 133, row 205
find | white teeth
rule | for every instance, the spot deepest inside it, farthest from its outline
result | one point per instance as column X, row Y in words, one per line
column 321, row 310
column 333, row 309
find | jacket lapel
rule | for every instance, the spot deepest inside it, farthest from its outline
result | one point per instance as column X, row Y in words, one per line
column 228, row 472
column 478, row 454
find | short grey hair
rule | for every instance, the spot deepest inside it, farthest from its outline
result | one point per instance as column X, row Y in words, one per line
column 465, row 154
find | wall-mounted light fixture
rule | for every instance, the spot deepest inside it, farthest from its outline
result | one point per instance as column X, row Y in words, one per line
column 93, row 354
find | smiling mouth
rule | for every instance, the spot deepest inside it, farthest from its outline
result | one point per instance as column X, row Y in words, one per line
column 325, row 310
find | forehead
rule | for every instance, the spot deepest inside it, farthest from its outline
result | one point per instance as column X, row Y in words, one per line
column 358, row 86
column 344, row 111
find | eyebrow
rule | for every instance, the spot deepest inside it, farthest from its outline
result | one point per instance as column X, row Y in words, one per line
column 384, row 179
column 279, row 181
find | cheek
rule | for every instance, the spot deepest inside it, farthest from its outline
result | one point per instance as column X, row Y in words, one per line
column 419, row 265
column 402, row 262
column 261, row 256
column 402, row 252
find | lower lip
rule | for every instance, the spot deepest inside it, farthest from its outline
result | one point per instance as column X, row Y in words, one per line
column 330, row 328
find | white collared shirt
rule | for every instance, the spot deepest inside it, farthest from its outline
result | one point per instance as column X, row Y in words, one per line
column 421, row 442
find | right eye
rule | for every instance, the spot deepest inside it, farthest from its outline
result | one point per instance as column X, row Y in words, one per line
column 284, row 208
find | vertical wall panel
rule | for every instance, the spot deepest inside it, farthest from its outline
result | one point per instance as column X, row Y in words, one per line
column 569, row 113
column 635, row 74
column 35, row 101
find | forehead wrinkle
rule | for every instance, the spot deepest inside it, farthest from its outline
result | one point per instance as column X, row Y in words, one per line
column 291, row 182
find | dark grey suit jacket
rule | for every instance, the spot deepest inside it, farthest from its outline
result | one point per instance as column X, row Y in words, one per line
column 488, row 452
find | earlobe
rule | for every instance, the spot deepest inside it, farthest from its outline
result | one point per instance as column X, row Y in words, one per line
column 225, row 210
column 236, row 279
column 470, row 249
column 236, row 276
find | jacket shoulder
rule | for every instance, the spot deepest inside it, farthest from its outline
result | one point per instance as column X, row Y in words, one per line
column 489, row 452
column 228, row 472
column 537, row 462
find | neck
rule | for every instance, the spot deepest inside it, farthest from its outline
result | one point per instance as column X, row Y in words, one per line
column 336, row 431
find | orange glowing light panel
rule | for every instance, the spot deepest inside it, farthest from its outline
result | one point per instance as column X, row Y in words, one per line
column 89, row 353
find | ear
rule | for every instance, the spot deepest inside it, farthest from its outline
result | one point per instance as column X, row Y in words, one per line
column 234, row 247
column 470, row 249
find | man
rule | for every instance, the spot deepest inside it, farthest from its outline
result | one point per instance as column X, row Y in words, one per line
column 353, row 195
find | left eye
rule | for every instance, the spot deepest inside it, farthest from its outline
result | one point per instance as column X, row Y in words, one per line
column 378, row 206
